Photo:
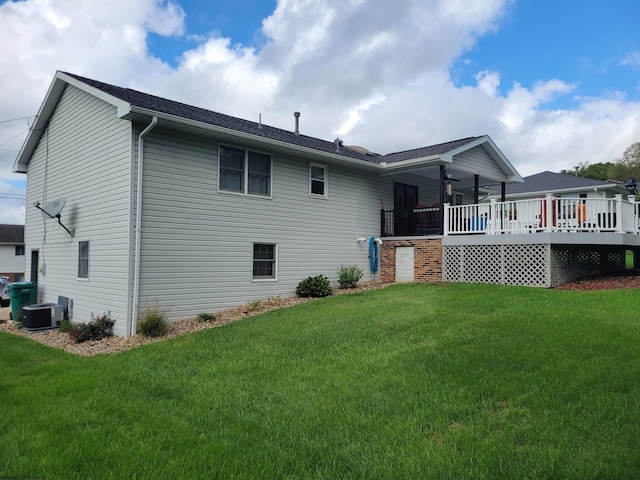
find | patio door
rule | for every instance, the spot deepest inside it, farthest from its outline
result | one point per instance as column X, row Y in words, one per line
column 405, row 198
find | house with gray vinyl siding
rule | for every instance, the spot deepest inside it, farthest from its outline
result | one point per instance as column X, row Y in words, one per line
column 202, row 211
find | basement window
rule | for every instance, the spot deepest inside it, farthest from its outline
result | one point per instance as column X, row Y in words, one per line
column 264, row 261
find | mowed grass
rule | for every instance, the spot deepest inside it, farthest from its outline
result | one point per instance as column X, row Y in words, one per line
column 442, row 381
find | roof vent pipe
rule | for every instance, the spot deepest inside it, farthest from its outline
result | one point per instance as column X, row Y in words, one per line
column 338, row 143
column 297, row 115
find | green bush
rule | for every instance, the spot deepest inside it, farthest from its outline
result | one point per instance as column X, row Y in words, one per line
column 152, row 322
column 65, row 326
column 206, row 317
column 316, row 287
column 98, row 328
column 349, row 276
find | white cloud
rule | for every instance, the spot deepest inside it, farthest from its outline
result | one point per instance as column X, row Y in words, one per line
column 375, row 73
column 631, row 59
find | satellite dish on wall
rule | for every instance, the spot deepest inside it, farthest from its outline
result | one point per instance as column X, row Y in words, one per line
column 53, row 209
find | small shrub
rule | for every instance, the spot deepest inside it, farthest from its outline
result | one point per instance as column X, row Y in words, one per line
column 206, row 317
column 152, row 322
column 349, row 276
column 316, row 287
column 254, row 304
column 65, row 326
column 277, row 299
column 98, row 328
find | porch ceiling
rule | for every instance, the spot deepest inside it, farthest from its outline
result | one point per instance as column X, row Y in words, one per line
column 463, row 178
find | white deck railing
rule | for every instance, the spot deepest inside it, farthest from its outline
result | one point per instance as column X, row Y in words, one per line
column 545, row 214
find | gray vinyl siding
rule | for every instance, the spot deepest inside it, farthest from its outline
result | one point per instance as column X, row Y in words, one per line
column 84, row 157
column 197, row 244
column 477, row 159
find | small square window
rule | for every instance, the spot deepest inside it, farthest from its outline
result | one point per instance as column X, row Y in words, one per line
column 317, row 180
column 19, row 250
column 83, row 259
column 264, row 261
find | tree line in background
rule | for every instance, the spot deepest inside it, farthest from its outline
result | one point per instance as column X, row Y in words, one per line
column 621, row 169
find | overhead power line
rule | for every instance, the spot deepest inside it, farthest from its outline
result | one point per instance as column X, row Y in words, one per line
column 13, row 196
column 16, row 119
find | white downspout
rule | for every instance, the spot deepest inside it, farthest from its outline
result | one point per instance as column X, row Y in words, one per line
column 136, row 268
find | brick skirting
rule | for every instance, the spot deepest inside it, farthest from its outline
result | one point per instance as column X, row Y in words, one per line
column 427, row 263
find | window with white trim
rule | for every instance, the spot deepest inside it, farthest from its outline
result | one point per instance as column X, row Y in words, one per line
column 264, row 261
column 83, row 259
column 318, row 180
column 19, row 250
column 244, row 171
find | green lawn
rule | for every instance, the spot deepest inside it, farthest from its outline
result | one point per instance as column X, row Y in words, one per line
column 442, row 381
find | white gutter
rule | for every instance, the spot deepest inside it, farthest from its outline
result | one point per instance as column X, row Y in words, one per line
column 136, row 270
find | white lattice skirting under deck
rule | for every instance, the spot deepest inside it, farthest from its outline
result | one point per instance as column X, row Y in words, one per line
column 536, row 265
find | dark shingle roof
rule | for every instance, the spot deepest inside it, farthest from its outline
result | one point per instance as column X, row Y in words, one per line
column 163, row 105
column 170, row 107
column 551, row 182
column 12, row 234
column 427, row 151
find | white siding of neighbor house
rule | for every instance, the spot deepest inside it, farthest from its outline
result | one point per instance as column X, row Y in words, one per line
column 85, row 157
column 197, row 243
column 9, row 261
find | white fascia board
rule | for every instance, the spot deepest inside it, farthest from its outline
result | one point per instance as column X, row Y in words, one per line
column 510, row 171
column 45, row 111
column 412, row 164
column 121, row 105
column 256, row 138
column 48, row 106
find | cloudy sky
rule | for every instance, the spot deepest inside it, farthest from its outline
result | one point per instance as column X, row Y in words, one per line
column 554, row 83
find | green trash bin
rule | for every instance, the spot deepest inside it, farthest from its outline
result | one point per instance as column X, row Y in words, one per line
column 22, row 294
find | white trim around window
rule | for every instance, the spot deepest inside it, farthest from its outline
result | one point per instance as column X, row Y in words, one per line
column 83, row 260
column 244, row 172
column 264, row 262
column 318, row 180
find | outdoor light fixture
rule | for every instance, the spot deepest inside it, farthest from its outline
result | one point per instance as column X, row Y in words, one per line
column 631, row 186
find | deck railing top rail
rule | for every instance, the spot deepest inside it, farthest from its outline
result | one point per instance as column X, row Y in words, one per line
column 544, row 214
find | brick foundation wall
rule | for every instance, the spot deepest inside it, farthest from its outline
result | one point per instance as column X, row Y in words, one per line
column 427, row 259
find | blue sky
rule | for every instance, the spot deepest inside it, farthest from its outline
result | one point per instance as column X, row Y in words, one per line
column 554, row 83
column 580, row 42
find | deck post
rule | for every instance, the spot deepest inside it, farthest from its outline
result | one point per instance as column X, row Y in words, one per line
column 493, row 218
column 445, row 223
column 619, row 212
column 442, row 181
column 550, row 220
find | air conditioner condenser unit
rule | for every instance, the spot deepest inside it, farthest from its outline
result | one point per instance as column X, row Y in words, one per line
column 40, row 316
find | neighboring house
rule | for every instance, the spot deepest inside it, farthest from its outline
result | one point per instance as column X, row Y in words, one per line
column 568, row 192
column 204, row 211
column 12, row 252
column 561, row 185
